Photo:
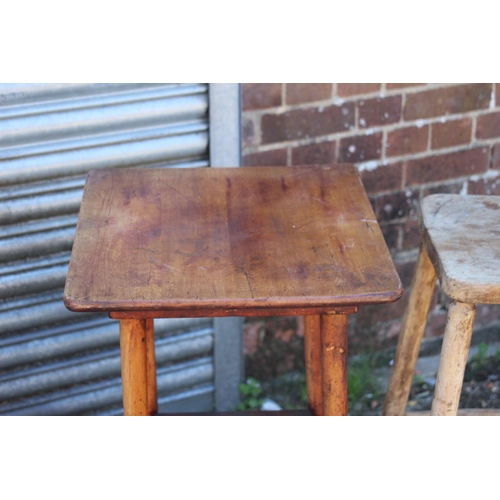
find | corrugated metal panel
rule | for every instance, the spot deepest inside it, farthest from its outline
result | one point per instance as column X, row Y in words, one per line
column 53, row 361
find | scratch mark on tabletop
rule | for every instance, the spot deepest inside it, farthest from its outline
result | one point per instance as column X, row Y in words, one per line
column 180, row 194
column 312, row 221
column 368, row 225
column 249, row 285
column 320, row 201
column 440, row 207
column 166, row 266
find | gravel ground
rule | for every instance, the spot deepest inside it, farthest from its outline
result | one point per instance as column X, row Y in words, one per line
column 481, row 388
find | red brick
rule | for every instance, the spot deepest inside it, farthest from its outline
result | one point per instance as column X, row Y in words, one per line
column 403, row 141
column 300, row 326
column 447, row 166
column 391, row 235
column 397, row 206
column 370, row 315
column 451, row 133
column 485, row 186
column 252, row 332
column 391, row 334
column 449, row 188
column 394, row 86
column 248, row 137
column 360, row 148
column 308, row 122
column 379, row 111
column 320, row 153
column 495, row 156
column 348, row 89
column 273, row 158
column 373, row 203
column 297, row 93
column 448, row 100
column 260, row 95
column 411, row 235
column 488, row 126
column 487, row 314
column 405, row 271
column 436, row 323
column 382, row 178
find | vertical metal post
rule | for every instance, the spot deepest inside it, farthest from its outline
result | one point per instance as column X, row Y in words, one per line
column 225, row 151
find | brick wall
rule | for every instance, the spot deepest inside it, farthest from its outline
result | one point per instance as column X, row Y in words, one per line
column 407, row 140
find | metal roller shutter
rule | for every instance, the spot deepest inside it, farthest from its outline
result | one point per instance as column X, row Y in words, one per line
column 53, row 361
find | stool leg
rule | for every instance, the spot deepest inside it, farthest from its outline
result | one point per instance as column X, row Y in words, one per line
column 133, row 351
column 151, row 368
column 334, row 363
column 412, row 331
column 314, row 369
column 456, row 344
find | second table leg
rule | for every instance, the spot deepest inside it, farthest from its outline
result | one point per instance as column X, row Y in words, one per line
column 314, row 370
column 138, row 366
column 334, row 362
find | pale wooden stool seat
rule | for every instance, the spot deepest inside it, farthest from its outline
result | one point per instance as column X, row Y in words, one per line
column 461, row 247
column 207, row 242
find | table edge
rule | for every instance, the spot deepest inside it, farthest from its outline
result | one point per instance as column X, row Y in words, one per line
column 235, row 304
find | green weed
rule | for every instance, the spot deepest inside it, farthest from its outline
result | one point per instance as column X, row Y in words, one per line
column 251, row 395
column 481, row 365
column 361, row 386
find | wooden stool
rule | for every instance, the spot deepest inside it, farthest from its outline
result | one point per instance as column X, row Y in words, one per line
column 461, row 247
column 258, row 241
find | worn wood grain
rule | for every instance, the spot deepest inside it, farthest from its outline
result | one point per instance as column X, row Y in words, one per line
column 334, row 363
column 256, row 237
column 462, row 237
column 133, row 351
column 410, row 338
column 454, row 352
column 314, row 368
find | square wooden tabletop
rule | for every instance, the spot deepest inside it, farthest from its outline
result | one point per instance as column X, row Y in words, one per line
column 227, row 238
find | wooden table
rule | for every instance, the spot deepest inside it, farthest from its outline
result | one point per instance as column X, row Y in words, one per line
column 256, row 241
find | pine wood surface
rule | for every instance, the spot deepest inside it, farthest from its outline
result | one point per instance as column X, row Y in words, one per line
column 462, row 237
column 246, row 238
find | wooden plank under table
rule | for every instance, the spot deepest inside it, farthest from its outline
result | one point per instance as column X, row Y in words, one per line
column 249, row 241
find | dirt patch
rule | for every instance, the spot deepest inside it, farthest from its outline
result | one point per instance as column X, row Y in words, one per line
column 368, row 380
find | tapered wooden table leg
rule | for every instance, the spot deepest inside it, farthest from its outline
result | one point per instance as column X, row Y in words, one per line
column 133, row 351
column 151, row 368
column 410, row 339
column 334, row 362
column 454, row 353
column 314, row 370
